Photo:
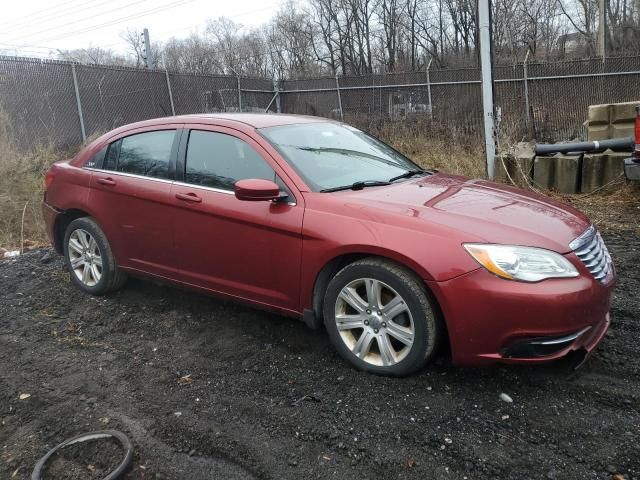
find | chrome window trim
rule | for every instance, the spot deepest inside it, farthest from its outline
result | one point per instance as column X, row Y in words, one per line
column 163, row 180
column 204, row 187
column 132, row 175
column 217, row 190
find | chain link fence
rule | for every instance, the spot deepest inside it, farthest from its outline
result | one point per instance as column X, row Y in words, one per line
column 45, row 101
column 546, row 101
column 62, row 102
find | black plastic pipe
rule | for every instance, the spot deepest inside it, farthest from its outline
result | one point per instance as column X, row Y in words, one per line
column 616, row 144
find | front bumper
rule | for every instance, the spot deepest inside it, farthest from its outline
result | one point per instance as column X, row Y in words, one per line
column 494, row 320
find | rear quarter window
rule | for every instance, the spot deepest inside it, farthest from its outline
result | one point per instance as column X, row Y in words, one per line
column 97, row 160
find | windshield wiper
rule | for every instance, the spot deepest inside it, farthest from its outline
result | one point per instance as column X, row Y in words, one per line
column 356, row 186
column 347, row 152
column 407, row 174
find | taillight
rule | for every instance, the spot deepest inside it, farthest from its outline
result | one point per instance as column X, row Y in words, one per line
column 636, row 150
column 48, row 179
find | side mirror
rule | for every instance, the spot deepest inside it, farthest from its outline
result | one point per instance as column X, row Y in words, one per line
column 255, row 189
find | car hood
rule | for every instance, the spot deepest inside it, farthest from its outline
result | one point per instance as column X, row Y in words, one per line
column 479, row 210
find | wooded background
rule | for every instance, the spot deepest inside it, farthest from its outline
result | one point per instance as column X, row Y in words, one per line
column 355, row 37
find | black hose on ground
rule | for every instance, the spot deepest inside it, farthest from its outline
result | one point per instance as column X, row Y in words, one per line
column 122, row 439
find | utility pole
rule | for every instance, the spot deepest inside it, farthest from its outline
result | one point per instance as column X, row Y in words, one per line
column 148, row 56
column 486, row 61
column 602, row 29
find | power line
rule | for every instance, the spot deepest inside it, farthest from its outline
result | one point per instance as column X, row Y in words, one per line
column 39, row 19
column 116, row 21
column 40, row 13
column 175, row 29
column 81, row 19
column 121, row 41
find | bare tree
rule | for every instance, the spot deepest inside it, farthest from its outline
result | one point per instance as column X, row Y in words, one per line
column 135, row 44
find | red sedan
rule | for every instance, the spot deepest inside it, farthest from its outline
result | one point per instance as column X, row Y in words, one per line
column 318, row 220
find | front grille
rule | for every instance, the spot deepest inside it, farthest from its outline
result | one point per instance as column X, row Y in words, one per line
column 590, row 248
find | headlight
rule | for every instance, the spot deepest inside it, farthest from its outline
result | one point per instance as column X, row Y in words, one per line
column 526, row 264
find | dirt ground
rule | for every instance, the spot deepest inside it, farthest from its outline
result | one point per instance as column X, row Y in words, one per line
column 207, row 389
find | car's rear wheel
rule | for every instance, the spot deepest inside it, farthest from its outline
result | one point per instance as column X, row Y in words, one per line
column 380, row 318
column 89, row 258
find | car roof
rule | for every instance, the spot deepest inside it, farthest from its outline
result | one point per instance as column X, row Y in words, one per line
column 259, row 120
column 255, row 120
column 241, row 121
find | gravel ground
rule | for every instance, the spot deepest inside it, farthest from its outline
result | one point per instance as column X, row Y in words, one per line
column 207, row 389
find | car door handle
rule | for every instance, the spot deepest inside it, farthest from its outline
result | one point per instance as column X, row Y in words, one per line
column 106, row 181
column 188, row 197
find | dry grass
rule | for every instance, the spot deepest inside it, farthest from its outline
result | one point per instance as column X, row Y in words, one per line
column 616, row 207
column 442, row 155
column 21, row 185
column 437, row 147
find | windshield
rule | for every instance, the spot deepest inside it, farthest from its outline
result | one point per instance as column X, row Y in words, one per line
column 330, row 155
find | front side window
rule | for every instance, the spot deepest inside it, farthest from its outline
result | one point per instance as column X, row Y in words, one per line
column 146, row 154
column 218, row 160
column 330, row 155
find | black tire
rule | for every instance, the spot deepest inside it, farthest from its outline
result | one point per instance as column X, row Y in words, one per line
column 120, row 437
column 426, row 324
column 111, row 277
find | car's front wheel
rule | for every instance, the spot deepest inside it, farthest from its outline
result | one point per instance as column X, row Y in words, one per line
column 380, row 318
column 89, row 258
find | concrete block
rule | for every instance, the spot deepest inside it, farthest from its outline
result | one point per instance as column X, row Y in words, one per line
column 560, row 173
column 519, row 164
column 597, row 132
column 622, row 130
column 623, row 112
column 524, row 162
column 524, row 168
column 598, row 169
column 543, row 172
column 502, row 161
column 599, row 114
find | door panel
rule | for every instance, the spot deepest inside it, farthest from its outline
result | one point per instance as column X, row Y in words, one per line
column 134, row 213
column 246, row 249
column 134, row 206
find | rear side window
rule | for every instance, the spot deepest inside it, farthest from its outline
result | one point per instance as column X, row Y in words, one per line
column 146, row 154
column 218, row 160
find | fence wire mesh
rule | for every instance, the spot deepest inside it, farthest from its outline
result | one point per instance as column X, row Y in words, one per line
column 37, row 101
column 41, row 102
column 111, row 97
column 546, row 101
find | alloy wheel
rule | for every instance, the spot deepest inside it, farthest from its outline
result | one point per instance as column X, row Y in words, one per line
column 374, row 322
column 85, row 257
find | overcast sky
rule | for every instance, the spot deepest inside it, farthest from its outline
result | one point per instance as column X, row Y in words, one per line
column 34, row 27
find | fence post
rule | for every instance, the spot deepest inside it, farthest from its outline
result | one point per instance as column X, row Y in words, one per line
column 276, row 89
column 526, row 89
column 429, row 89
column 339, row 99
column 276, row 95
column 486, row 67
column 78, row 103
column 173, row 108
column 239, row 95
